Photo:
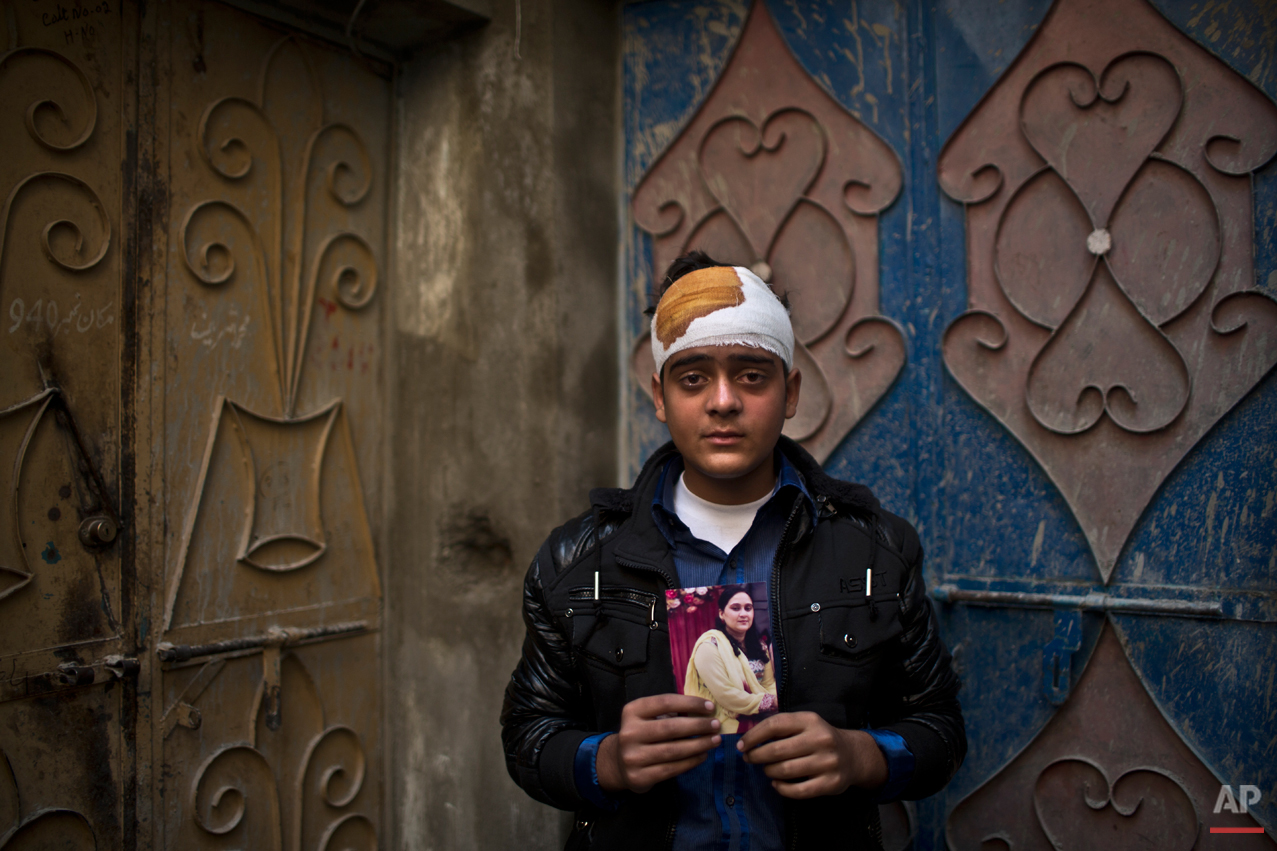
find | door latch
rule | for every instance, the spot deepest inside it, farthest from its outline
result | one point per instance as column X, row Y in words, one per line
column 121, row 666
column 1057, row 656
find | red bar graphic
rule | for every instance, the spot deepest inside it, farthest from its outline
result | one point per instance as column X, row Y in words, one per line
column 1236, row 830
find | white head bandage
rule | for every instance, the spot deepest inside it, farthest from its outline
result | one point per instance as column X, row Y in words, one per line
column 721, row 306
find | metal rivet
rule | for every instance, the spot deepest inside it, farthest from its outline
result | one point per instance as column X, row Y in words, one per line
column 849, row 640
column 620, row 654
column 568, row 613
column 653, row 625
column 815, row 607
column 1100, row 242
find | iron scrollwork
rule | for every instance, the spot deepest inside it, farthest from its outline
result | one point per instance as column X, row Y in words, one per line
column 1107, row 771
column 1113, row 314
column 50, row 827
column 78, row 263
column 262, row 237
column 88, row 245
column 774, row 174
column 251, row 788
column 233, row 133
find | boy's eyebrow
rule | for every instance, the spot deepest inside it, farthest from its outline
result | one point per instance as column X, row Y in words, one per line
column 687, row 359
column 767, row 359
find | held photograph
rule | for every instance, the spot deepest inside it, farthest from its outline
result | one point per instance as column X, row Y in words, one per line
column 720, row 643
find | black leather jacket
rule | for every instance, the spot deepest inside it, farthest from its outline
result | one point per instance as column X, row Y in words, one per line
column 857, row 662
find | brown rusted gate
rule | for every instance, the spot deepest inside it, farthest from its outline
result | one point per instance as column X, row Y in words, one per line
column 190, row 386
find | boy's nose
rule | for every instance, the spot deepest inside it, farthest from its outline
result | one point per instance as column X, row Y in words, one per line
column 723, row 398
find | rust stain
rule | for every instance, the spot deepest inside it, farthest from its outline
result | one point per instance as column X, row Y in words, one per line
column 695, row 295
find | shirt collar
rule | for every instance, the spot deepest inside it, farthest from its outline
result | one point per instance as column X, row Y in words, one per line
column 663, row 502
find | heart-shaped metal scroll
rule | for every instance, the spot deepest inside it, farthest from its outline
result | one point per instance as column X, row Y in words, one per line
column 774, row 174
column 1113, row 316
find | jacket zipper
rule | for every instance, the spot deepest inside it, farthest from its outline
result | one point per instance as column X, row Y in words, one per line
column 642, row 599
column 646, row 568
column 778, row 639
column 669, row 834
column 669, row 583
column 585, row 594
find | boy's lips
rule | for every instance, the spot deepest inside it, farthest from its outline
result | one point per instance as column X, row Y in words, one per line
column 724, row 437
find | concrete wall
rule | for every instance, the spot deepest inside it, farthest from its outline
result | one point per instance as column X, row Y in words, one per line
column 503, row 388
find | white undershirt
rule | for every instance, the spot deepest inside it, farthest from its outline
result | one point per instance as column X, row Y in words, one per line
column 721, row 525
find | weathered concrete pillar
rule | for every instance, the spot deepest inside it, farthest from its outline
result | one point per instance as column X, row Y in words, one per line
column 503, row 356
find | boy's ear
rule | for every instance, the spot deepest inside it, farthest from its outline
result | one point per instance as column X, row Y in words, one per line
column 658, row 396
column 793, row 384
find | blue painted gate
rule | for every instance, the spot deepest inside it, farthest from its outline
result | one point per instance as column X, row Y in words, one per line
column 1108, row 586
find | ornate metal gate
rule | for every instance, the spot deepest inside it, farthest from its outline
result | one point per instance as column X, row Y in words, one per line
column 1095, row 285
column 189, row 596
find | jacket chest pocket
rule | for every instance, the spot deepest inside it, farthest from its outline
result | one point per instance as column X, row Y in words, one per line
column 857, row 633
column 613, row 629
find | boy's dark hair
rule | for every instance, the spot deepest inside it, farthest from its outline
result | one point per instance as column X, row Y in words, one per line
column 688, row 263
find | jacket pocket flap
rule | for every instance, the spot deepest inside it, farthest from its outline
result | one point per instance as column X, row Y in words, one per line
column 611, row 637
column 851, row 631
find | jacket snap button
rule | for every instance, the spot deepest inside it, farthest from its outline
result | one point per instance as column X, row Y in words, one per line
column 815, row 607
column 568, row 613
column 620, row 653
column 849, row 640
column 731, row 801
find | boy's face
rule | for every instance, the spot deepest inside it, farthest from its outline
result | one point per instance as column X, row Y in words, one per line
column 725, row 407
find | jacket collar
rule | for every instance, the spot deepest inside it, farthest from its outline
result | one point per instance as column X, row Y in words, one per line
column 645, row 548
column 847, row 496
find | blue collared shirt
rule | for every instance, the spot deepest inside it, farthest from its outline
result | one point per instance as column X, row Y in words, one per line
column 727, row 803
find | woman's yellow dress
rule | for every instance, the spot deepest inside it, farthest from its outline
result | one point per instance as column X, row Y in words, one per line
column 716, row 673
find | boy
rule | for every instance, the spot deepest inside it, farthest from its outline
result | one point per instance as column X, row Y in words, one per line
column 868, row 708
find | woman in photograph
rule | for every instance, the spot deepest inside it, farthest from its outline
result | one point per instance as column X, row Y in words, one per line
column 730, row 666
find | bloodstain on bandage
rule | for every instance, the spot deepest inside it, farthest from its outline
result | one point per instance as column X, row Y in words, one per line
column 694, row 295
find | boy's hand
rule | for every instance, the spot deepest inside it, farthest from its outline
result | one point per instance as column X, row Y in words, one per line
column 807, row 757
column 660, row 737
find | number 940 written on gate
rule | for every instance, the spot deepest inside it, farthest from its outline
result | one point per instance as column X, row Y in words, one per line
column 45, row 314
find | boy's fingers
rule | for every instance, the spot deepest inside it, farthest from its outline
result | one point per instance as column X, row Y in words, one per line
column 782, row 726
column 649, row 777
column 669, row 704
column 778, row 750
column 673, row 752
column 679, row 728
column 797, row 769
column 668, row 729
column 807, row 789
